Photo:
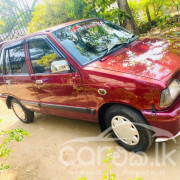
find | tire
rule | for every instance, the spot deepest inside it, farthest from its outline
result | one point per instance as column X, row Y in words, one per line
column 127, row 127
column 21, row 112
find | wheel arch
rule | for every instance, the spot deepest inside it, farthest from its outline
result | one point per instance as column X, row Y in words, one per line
column 103, row 108
column 8, row 101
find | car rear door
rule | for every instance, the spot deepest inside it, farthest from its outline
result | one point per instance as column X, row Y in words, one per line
column 3, row 89
column 17, row 78
column 60, row 91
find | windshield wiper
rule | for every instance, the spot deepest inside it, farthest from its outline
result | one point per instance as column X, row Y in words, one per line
column 132, row 37
column 108, row 50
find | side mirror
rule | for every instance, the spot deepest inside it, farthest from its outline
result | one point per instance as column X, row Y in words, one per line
column 59, row 66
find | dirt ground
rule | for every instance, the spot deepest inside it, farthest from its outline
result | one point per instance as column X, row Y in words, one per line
column 41, row 156
column 167, row 33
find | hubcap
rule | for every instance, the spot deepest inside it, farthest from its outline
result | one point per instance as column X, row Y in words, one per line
column 125, row 130
column 19, row 111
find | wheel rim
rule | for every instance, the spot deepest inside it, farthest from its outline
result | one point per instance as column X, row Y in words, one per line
column 125, row 130
column 19, row 111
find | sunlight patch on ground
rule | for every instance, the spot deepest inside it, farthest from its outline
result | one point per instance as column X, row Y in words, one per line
column 7, row 116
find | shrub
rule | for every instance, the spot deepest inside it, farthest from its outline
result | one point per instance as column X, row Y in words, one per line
column 10, row 135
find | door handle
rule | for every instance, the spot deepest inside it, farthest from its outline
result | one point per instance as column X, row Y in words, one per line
column 39, row 82
column 8, row 82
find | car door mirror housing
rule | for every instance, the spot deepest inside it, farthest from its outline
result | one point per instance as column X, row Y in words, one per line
column 60, row 66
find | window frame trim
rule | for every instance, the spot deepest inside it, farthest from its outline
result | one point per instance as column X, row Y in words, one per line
column 2, row 53
column 49, row 42
column 11, row 46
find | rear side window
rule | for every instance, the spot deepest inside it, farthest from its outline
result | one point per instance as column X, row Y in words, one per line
column 8, row 65
column 42, row 56
column 1, row 62
column 15, row 61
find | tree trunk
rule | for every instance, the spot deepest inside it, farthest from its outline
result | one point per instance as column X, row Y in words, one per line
column 129, row 23
column 148, row 15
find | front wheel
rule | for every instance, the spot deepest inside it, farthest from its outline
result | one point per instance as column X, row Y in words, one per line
column 21, row 112
column 129, row 128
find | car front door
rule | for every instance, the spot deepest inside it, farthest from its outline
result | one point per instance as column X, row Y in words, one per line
column 58, row 84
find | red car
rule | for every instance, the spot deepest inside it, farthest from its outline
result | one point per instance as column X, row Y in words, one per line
column 96, row 71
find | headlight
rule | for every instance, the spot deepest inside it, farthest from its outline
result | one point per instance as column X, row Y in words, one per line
column 170, row 94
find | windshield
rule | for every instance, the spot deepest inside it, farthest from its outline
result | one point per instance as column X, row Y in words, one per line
column 88, row 40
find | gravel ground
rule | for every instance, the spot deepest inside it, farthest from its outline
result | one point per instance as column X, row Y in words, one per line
column 43, row 154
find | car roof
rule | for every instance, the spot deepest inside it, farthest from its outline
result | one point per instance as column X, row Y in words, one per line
column 45, row 31
column 67, row 24
column 1, row 43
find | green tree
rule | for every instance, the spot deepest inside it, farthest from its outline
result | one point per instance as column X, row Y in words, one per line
column 80, row 9
column 129, row 22
column 47, row 14
column 51, row 13
column 5, row 11
column 149, row 13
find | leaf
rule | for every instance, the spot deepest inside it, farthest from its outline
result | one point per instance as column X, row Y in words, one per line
column 83, row 178
column 3, row 167
column 110, row 166
column 19, row 138
column 14, row 134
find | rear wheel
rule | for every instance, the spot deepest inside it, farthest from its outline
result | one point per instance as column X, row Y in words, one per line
column 129, row 128
column 21, row 112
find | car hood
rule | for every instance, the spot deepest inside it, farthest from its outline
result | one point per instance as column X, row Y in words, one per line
column 152, row 58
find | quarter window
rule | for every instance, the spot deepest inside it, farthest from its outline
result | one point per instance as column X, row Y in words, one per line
column 1, row 62
column 42, row 56
column 8, row 65
column 15, row 61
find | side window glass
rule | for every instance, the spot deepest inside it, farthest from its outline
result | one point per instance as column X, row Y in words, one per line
column 17, row 60
column 8, row 65
column 1, row 61
column 44, row 59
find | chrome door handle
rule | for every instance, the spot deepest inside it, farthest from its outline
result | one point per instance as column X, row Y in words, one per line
column 8, row 82
column 39, row 82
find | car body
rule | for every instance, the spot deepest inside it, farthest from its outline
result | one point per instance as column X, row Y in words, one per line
column 134, row 75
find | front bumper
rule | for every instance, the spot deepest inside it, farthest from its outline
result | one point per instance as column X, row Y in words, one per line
column 167, row 139
column 166, row 124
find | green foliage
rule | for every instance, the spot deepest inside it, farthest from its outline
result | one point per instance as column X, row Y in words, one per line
column 83, row 178
column 79, row 9
column 147, row 13
column 47, row 14
column 12, row 19
column 95, row 8
column 136, row 178
column 47, row 59
column 107, row 174
column 151, row 13
column 55, row 12
column 14, row 134
column 164, row 21
column 5, row 10
column 3, row 167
